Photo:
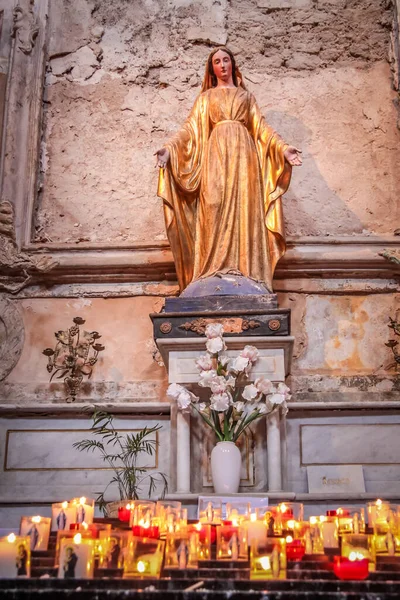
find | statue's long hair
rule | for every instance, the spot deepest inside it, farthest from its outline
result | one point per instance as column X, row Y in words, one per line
column 210, row 80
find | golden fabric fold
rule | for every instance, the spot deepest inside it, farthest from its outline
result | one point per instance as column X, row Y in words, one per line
column 222, row 190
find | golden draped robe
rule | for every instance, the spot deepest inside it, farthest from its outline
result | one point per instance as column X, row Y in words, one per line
column 222, row 190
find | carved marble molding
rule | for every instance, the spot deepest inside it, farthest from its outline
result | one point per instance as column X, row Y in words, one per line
column 12, row 334
column 25, row 27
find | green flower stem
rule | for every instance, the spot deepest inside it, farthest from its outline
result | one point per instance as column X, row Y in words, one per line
column 206, row 420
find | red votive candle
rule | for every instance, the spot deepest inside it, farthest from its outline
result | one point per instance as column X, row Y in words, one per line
column 350, row 569
column 74, row 526
column 149, row 532
column 295, row 550
column 124, row 514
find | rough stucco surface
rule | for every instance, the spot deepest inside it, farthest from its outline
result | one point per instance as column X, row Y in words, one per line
column 122, row 76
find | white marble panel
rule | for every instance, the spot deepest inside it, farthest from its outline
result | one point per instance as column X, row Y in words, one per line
column 54, row 469
column 350, row 444
column 182, row 366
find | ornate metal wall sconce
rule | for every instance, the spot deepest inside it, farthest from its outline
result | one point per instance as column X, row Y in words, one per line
column 74, row 356
column 393, row 344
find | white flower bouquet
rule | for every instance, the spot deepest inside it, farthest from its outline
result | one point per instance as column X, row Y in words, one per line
column 233, row 403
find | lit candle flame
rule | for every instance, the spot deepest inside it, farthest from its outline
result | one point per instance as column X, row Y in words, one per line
column 253, row 517
column 64, row 505
column 128, row 507
column 36, row 519
column 198, row 526
column 11, row 538
column 379, row 502
column 85, row 525
column 77, row 538
column 313, row 520
column 289, row 539
column 356, row 556
column 82, row 500
column 141, row 567
column 291, row 524
column 283, row 508
column 265, row 563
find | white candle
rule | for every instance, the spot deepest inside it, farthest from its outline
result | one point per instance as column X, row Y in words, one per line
column 38, row 530
column 84, row 510
column 256, row 529
column 15, row 557
column 76, row 558
column 63, row 514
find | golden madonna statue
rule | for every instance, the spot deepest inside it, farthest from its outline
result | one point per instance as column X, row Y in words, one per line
column 221, row 179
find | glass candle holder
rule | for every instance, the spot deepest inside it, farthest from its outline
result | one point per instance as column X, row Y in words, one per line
column 256, row 528
column 237, row 512
column 350, row 519
column 84, row 509
column 377, row 511
column 231, row 543
column 101, row 533
column 181, row 550
column 115, row 547
column 273, row 520
column 386, row 538
column 15, row 556
column 358, row 547
column 75, row 554
column 317, row 539
column 268, row 559
column 347, row 569
column 144, row 558
column 290, row 513
column 168, row 514
column 204, row 531
column 63, row 514
column 38, row 531
column 210, row 511
column 329, row 530
column 142, row 512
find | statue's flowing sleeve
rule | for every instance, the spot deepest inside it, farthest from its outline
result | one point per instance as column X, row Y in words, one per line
column 179, row 186
column 276, row 173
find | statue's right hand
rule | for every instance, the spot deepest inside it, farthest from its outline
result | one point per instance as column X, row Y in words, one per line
column 162, row 158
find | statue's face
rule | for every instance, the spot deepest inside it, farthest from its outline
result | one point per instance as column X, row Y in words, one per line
column 222, row 66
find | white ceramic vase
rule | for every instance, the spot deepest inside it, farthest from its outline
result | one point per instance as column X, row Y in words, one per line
column 226, row 463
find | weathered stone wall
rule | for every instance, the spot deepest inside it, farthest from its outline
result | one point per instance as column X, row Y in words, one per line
column 121, row 77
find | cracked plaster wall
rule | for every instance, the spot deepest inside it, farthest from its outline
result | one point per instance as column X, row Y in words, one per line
column 121, row 76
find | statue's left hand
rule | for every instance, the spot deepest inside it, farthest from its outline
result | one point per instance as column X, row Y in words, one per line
column 293, row 157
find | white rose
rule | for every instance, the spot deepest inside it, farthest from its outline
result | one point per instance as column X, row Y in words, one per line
column 218, row 385
column 204, row 362
column 277, row 398
column 251, row 353
column 214, row 330
column 221, row 402
column 240, row 363
column 265, row 386
column 215, row 345
column 250, row 392
column 206, row 377
column 174, row 390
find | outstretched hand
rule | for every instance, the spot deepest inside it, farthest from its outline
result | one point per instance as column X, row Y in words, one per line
column 293, row 157
column 162, row 157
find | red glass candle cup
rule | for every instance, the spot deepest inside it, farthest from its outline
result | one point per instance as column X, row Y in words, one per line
column 124, row 514
column 350, row 569
column 148, row 532
column 295, row 550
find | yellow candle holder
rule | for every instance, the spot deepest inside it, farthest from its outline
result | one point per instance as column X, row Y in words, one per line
column 386, row 538
column 328, row 525
column 290, row 512
column 273, row 520
column 351, row 519
column 317, row 539
column 168, row 514
column 75, row 555
column 38, row 530
column 63, row 514
column 237, row 512
column 115, row 548
column 144, row 558
column 15, row 556
column 231, row 543
column 84, row 509
column 204, row 539
column 210, row 511
column 268, row 559
column 142, row 512
column 181, row 550
column 358, row 547
column 378, row 511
